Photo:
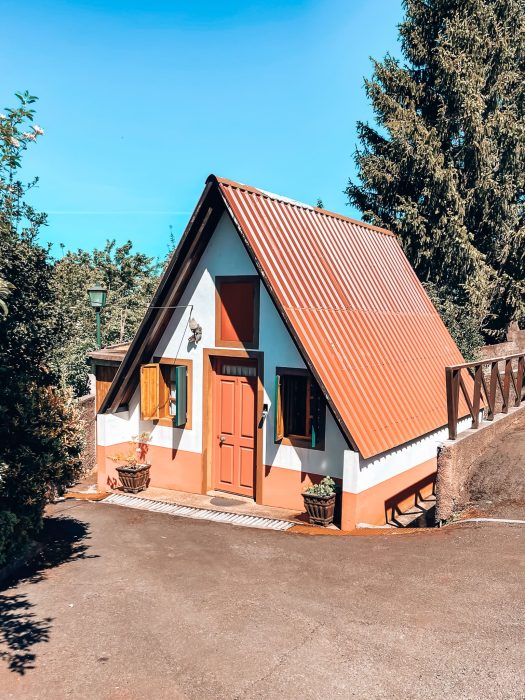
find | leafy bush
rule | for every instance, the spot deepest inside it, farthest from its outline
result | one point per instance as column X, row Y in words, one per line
column 41, row 441
column 135, row 457
column 326, row 487
column 40, row 424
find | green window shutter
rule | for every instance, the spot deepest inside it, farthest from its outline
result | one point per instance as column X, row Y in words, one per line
column 278, row 433
column 181, row 400
column 318, row 412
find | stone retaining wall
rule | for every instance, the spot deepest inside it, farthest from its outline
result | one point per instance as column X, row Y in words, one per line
column 514, row 345
column 87, row 408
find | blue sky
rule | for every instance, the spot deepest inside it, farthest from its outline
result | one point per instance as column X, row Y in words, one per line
column 141, row 100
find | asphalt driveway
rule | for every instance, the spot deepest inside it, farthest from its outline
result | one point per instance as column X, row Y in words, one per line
column 132, row 604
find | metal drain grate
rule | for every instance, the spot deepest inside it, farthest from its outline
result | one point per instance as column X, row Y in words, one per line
column 197, row 513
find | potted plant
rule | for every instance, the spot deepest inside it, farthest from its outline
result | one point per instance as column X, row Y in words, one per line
column 133, row 469
column 319, row 501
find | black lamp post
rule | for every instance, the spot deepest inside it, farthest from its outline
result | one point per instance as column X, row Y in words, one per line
column 97, row 297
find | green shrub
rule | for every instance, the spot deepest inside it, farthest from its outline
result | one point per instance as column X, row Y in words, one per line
column 41, row 439
column 40, row 427
column 326, row 487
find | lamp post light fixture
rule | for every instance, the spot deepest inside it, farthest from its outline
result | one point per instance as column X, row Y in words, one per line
column 97, row 297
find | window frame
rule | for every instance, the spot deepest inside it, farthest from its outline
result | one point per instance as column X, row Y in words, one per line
column 165, row 365
column 255, row 281
column 312, row 394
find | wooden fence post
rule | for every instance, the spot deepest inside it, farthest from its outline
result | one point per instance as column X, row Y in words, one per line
column 474, row 389
column 452, row 379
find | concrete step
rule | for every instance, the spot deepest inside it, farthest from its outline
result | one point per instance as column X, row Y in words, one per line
column 420, row 515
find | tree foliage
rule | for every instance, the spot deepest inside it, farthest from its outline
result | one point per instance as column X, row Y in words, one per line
column 444, row 169
column 130, row 278
column 40, row 431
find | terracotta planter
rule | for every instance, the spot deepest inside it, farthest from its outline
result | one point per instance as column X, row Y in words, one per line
column 134, row 479
column 320, row 509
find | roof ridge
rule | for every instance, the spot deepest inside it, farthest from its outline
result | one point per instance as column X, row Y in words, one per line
column 296, row 203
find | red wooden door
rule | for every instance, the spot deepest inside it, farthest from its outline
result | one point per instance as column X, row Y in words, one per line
column 234, row 392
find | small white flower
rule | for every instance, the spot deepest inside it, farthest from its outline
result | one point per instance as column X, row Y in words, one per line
column 38, row 129
column 14, row 142
column 28, row 136
column 2, row 117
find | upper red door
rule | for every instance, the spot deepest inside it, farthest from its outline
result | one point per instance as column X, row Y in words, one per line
column 234, row 430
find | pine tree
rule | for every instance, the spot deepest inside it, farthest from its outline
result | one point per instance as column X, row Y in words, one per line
column 445, row 167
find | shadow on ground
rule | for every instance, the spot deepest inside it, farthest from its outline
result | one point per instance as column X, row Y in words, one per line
column 20, row 630
column 62, row 539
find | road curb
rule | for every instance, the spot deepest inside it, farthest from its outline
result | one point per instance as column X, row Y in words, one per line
column 313, row 531
column 83, row 496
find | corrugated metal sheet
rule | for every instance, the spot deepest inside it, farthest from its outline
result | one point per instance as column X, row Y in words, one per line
column 112, row 352
column 359, row 312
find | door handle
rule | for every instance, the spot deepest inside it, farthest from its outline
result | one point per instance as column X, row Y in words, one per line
column 264, row 415
column 221, row 439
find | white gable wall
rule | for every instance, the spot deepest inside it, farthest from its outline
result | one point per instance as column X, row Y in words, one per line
column 364, row 473
column 226, row 255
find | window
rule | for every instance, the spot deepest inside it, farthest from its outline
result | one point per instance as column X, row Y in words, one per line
column 237, row 312
column 300, row 411
column 166, row 392
column 104, row 375
column 174, row 398
column 239, row 370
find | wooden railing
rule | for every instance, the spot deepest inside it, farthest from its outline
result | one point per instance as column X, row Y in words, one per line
column 487, row 392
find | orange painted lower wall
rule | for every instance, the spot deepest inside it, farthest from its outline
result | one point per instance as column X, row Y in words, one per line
column 283, row 488
column 170, row 469
column 374, row 505
column 182, row 471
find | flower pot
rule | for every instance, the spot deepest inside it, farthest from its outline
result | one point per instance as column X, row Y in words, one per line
column 134, row 478
column 320, row 509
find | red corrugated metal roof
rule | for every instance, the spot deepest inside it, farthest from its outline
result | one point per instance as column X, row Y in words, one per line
column 358, row 311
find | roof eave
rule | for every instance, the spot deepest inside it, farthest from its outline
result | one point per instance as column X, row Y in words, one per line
column 158, row 309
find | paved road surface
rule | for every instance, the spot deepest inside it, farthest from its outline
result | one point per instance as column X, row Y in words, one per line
column 131, row 604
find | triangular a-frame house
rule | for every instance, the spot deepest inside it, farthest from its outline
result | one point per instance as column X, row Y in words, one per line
column 314, row 351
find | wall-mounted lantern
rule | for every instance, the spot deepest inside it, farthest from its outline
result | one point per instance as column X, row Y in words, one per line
column 196, row 330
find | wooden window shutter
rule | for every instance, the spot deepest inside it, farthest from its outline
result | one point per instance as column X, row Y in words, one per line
column 150, row 392
column 318, row 413
column 181, row 391
column 279, row 422
column 104, row 376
